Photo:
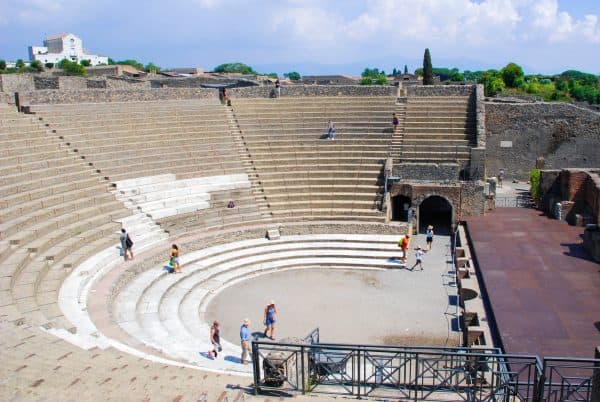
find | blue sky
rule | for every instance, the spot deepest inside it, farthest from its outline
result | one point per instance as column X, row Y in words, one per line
column 318, row 36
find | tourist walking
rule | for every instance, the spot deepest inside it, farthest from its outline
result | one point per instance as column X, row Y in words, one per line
column 269, row 319
column 419, row 256
column 174, row 262
column 404, row 243
column 245, row 341
column 429, row 237
column 394, row 123
column 126, row 245
column 215, row 339
column 500, row 177
column 330, row 131
column 278, row 87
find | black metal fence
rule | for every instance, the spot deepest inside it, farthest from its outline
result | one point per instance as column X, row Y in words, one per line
column 419, row 373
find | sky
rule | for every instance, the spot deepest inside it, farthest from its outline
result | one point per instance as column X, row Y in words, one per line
column 318, row 36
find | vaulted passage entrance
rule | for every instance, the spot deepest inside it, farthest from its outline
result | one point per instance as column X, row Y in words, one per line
column 400, row 207
column 435, row 211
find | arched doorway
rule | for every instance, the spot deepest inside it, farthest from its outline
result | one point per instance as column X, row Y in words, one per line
column 400, row 206
column 435, row 211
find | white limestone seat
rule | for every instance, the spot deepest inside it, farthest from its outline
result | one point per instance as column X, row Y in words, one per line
column 165, row 314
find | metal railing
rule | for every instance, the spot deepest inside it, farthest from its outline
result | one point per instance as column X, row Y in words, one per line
column 570, row 380
column 414, row 373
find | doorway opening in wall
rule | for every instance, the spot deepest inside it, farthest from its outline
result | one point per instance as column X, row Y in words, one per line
column 400, row 206
column 437, row 212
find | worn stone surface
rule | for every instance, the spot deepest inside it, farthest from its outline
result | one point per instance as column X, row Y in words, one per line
column 16, row 82
column 440, row 90
column 434, row 172
column 313, row 90
column 115, row 95
column 45, row 82
column 565, row 135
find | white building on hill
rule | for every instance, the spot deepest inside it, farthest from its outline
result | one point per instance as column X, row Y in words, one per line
column 64, row 46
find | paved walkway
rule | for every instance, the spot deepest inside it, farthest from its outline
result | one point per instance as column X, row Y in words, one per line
column 396, row 306
column 543, row 288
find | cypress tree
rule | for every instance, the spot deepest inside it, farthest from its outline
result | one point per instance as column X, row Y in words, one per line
column 427, row 69
column 405, row 69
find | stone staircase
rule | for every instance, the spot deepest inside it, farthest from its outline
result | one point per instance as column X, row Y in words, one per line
column 246, row 160
column 437, row 129
column 304, row 176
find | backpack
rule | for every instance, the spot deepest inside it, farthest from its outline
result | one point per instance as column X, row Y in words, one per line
column 128, row 241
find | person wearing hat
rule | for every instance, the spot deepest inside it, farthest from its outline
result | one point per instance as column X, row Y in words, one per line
column 269, row 320
column 245, row 340
column 429, row 237
column 419, row 256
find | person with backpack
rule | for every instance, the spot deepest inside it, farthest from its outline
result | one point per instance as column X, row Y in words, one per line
column 404, row 243
column 126, row 245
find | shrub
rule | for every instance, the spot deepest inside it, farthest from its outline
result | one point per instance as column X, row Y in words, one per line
column 151, row 68
column 72, row 68
column 366, row 81
column 37, row 66
column 381, row 79
column 237, row 67
column 85, row 63
column 535, row 181
column 49, row 65
column 293, row 75
column 20, row 63
column 2, row 65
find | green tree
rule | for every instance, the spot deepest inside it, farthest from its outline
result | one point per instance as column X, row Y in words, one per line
column 237, row 67
column 85, row 63
column 37, row 65
column 49, row 65
column 405, row 69
column 457, row 76
column 151, row 68
column 371, row 73
column 20, row 63
column 72, row 68
column 111, row 62
column 492, row 82
column 2, row 65
column 427, row 69
column 512, row 75
column 366, row 81
column 293, row 75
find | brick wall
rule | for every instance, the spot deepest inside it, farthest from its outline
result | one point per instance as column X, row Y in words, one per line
column 433, row 172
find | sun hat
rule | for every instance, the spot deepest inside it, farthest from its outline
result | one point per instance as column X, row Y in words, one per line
column 429, row 227
column 271, row 302
column 418, row 247
column 246, row 321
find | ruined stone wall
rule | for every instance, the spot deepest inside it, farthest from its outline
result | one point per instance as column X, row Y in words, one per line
column 312, row 90
column 66, row 82
column 432, row 172
column 440, row 90
column 115, row 95
column 466, row 198
column 11, row 83
column 41, row 82
column 517, row 134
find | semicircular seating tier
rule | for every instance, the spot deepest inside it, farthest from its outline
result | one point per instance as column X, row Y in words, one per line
column 167, row 312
